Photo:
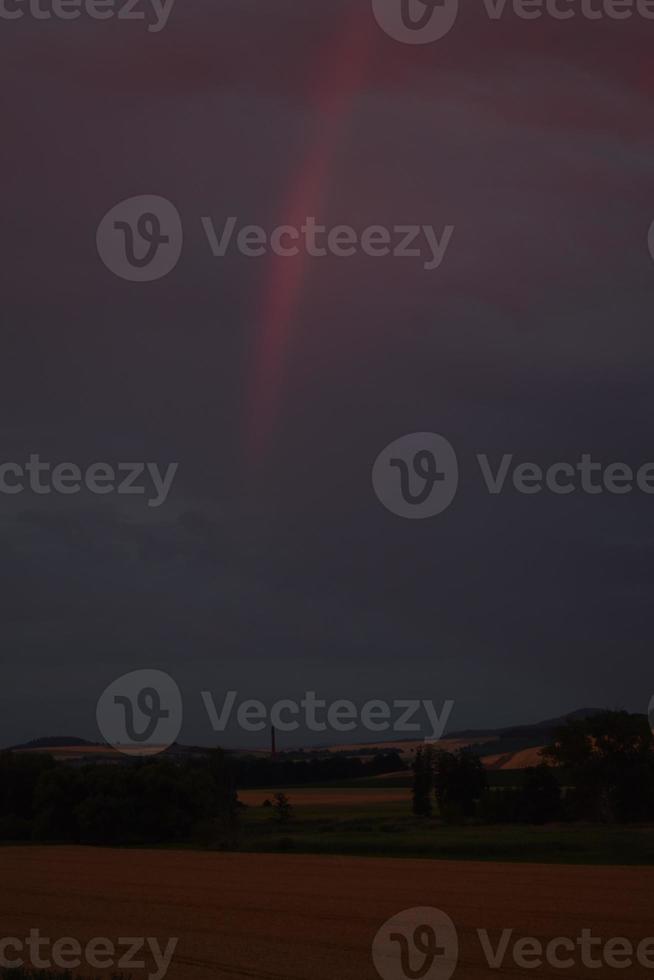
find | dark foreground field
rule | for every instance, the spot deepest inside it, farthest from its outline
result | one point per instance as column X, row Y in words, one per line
column 299, row 917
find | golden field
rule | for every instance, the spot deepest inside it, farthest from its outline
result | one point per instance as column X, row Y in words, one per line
column 297, row 917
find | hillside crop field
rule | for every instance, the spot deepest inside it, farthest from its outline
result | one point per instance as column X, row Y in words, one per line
column 300, row 917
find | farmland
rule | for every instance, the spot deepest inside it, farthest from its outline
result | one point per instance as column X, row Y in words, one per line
column 294, row 917
column 354, row 821
column 336, row 796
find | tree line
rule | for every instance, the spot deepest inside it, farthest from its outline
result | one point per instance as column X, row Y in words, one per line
column 599, row 769
column 153, row 800
column 144, row 802
column 256, row 771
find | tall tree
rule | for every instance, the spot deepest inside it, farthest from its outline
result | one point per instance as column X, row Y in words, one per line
column 459, row 780
column 610, row 759
column 423, row 781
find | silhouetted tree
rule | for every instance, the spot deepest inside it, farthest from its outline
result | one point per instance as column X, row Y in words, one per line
column 610, row 759
column 282, row 809
column 423, row 781
column 539, row 796
column 133, row 802
column 459, row 781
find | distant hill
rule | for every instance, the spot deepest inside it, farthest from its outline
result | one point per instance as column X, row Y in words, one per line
column 535, row 730
column 55, row 742
column 512, row 747
column 513, row 737
column 79, row 751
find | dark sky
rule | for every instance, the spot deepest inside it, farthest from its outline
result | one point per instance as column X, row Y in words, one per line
column 272, row 568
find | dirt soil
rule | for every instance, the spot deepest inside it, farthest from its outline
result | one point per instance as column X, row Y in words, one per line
column 297, row 917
